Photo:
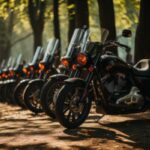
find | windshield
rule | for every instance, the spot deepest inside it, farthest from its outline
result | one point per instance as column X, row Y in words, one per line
column 55, row 48
column 75, row 40
column 49, row 49
column 18, row 60
column 13, row 62
column 9, row 62
column 36, row 55
column 104, row 35
column 87, row 46
column 3, row 64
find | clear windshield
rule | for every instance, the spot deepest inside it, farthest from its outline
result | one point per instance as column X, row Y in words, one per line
column 13, row 62
column 9, row 62
column 18, row 60
column 55, row 48
column 86, row 47
column 49, row 49
column 3, row 64
column 75, row 40
column 104, row 35
column 36, row 55
column 85, row 41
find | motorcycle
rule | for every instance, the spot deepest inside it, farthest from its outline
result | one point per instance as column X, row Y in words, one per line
column 31, row 71
column 115, row 86
column 31, row 94
column 3, row 75
column 13, row 76
column 52, row 86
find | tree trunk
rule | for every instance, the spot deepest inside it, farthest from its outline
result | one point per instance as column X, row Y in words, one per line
column 6, row 29
column 142, row 39
column 36, row 10
column 82, row 13
column 107, row 18
column 71, row 18
column 56, row 24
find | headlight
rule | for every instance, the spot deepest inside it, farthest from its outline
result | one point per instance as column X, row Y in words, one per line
column 25, row 70
column 65, row 62
column 41, row 66
column 82, row 59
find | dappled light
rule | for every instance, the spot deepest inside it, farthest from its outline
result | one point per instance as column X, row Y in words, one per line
column 74, row 74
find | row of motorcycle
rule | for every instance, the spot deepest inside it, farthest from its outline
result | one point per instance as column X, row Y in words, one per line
column 89, row 74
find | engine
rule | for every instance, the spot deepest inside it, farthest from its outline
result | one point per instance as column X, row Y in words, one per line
column 121, row 92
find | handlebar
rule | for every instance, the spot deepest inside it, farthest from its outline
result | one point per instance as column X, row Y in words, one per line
column 116, row 44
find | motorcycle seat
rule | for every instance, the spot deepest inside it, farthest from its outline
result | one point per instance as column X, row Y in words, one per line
column 142, row 68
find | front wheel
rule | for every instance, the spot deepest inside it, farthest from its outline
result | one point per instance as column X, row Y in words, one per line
column 48, row 96
column 32, row 96
column 18, row 94
column 72, row 108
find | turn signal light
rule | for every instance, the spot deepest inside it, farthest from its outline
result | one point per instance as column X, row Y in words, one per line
column 65, row 62
column 82, row 59
column 74, row 67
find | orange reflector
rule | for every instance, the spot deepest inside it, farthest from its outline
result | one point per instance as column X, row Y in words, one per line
column 74, row 67
column 91, row 68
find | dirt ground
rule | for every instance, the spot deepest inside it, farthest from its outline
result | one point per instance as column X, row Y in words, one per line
column 21, row 130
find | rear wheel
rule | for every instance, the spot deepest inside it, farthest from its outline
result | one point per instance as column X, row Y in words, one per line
column 32, row 97
column 71, row 107
column 48, row 96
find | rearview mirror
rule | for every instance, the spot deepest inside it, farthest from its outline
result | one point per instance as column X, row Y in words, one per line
column 126, row 33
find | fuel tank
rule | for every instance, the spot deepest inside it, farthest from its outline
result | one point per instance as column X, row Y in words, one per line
column 113, row 63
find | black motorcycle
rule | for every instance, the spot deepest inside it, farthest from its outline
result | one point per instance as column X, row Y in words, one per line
column 115, row 86
column 31, row 71
column 31, row 94
column 4, row 75
column 13, row 77
column 52, row 86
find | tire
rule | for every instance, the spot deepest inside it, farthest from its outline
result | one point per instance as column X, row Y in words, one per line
column 62, row 103
column 18, row 94
column 31, row 102
column 9, row 90
column 47, row 94
column 2, row 92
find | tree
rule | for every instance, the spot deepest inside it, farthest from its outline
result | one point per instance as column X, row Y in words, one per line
column 82, row 13
column 56, row 23
column 71, row 17
column 142, row 39
column 107, row 18
column 36, row 11
column 6, row 29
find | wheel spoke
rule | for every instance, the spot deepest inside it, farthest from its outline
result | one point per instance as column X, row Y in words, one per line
column 66, row 109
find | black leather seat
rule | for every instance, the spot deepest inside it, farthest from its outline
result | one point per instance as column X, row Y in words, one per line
column 142, row 68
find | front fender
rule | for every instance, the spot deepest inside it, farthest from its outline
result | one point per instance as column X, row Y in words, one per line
column 24, row 81
column 75, row 81
column 11, row 81
column 35, row 81
column 57, row 77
